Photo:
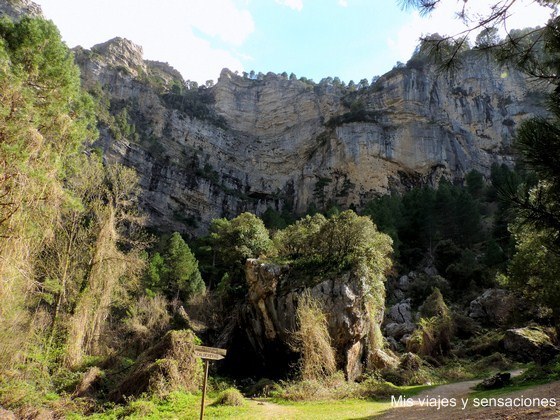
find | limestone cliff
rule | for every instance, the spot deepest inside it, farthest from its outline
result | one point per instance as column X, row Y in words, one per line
column 248, row 144
column 16, row 9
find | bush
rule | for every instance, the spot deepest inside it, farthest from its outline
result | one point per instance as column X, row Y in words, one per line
column 402, row 377
column 372, row 388
column 168, row 366
column 422, row 286
column 485, row 344
column 434, row 333
column 230, row 397
column 344, row 240
column 432, row 337
column 148, row 320
column 434, row 306
column 332, row 387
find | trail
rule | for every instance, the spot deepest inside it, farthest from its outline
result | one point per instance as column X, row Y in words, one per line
column 460, row 392
column 269, row 410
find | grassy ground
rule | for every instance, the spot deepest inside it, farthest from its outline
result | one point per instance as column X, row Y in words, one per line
column 187, row 406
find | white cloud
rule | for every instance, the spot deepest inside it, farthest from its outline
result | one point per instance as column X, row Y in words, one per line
column 343, row 3
column 292, row 4
column 524, row 13
column 198, row 38
column 220, row 18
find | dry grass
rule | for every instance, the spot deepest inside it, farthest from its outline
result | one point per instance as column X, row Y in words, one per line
column 332, row 387
column 313, row 340
column 148, row 321
column 107, row 267
column 94, row 302
column 168, row 366
column 230, row 397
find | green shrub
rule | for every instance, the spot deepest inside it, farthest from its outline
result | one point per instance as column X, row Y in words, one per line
column 140, row 408
column 372, row 388
column 435, row 330
column 230, row 397
column 485, row 344
column 402, row 377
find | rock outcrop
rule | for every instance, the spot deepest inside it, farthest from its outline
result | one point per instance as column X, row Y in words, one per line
column 16, row 9
column 399, row 322
column 269, row 318
column 248, row 144
column 529, row 344
column 494, row 307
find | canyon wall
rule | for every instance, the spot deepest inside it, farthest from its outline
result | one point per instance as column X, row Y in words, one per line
column 248, row 144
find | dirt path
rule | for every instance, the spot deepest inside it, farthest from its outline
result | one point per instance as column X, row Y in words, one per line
column 268, row 410
column 465, row 406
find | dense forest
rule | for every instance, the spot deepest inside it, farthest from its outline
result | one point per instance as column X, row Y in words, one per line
column 97, row 309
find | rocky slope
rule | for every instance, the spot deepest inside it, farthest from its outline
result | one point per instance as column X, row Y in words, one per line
column 249, row 144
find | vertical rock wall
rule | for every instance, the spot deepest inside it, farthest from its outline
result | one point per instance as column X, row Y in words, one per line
column 272, row 142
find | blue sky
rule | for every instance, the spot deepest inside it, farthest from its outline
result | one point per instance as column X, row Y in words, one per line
column 351, row 39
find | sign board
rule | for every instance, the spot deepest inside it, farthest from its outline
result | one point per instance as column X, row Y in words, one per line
column 207, row 353
column 212, row 353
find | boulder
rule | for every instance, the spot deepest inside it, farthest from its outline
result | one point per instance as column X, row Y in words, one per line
column 410, row 361
column 392, row 343
column 499, row 380
column 381, row 359
column 431, row 271
column 493, row 307
column 404, row 283
column 405, row 339
column 397, row 331
column 397, row 295
column 400, row 313
column 529, row 344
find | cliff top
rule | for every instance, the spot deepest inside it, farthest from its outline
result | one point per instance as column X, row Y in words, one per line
column 16, row 9
column 121, row 51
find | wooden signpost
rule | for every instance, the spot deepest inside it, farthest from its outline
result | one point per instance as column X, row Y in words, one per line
column 206, row 354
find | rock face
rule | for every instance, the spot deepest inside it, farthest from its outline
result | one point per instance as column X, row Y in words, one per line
column 269, row 318
column 249, row 144
column 529, row 344
column 399, row 323
column 493, row 307
column 16, row 9
column 400, row 313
